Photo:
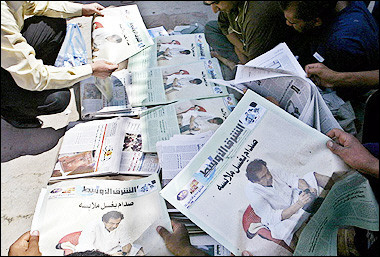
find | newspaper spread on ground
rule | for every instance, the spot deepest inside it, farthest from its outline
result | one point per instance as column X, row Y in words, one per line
column 171, row 50
column 119, row 34
column 174, row 154
column 278, row 74
column 157, row 32
column 107, row 215
column 288, row 162
column 168, row 84
column 350, row 202
column 99, row 147
column 188, row 117
column 95, row 105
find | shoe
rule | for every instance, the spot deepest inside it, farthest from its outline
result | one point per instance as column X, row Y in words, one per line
column 24, row 123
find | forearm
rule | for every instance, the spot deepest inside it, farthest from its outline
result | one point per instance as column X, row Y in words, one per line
column 371, row 167
column 288, row 212
column 365, row 79
column 57, row 9
column 235, row 41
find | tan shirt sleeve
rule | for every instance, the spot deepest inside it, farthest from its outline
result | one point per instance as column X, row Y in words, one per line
column 19, row 58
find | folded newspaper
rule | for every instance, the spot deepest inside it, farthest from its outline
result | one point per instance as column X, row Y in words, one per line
column 264, row 171
column 187, row 117
column 111, row 216
column 100, row 147
column 278, row 74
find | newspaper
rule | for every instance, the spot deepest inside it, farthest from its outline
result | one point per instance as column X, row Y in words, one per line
column 350, row 202
column 100, row 147
column 214, row 186
column 174, row 154
column 162, row 85
column 278, row 74
column 95, row 105
column 119, row 34
column 106, row 215
column 188, row 117
column 171, row 50
column 157, row 32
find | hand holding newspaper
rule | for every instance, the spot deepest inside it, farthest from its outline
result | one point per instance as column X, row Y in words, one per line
column 278, row 74
column 114, row 217
column 264, row 171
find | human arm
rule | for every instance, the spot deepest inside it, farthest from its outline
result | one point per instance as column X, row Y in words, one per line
column 93, row 8
column 26, row 245
column 178, row 242
column 303, row 199
column 19, row 58
column 239, row 47
column 326, row 77
column 353, row 153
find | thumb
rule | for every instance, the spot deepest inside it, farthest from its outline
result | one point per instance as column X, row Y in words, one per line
column 334, row 147
column 163, row 232
column 34, row 239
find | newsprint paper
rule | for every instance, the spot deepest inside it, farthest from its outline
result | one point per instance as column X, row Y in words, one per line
column 291, row 162
column 108, row 215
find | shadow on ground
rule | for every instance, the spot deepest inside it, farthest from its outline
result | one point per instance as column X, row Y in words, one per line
column 19, row 142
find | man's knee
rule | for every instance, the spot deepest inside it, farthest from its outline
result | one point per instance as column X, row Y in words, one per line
column 212, row 27
column 56, row 102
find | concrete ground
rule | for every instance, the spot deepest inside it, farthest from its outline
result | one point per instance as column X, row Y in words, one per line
column 28, row 155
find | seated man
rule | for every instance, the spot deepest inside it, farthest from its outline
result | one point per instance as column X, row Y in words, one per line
column 244, row 30
column 341, row 34
column 282, row 200
column 30, row 85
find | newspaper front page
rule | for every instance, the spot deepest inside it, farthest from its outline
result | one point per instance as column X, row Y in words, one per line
column 257, row 171
column 172, row 83
column 107, row 215
column 188, row 117
column 171, row 50
column 119, row 34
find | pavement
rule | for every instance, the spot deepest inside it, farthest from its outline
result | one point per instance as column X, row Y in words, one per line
column 28, row 156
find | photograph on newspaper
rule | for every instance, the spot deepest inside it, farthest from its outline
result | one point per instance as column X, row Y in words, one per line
column 172, row 83
column 171, row 50
column 119, row 34
column 264, row 171
column 111, row 216
column 188, row 117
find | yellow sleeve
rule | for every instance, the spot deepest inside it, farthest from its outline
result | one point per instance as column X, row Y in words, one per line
column 19, row 58
column 55, row 9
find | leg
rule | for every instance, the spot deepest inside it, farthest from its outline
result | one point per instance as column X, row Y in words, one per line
column 220, row 44
column 21, row 107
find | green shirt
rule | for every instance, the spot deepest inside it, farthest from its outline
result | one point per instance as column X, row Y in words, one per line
column 260, row 25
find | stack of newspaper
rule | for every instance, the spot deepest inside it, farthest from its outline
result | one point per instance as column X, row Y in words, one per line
column 170, row 111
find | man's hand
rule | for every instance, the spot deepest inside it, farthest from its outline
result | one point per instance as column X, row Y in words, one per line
column 26, row 245
column 90, row 9
column 178, row 242
column 103, row 69
column 321, row 75
column 303, row 199
column 353, row 153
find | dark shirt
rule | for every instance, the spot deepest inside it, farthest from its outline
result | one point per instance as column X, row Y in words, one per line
column 259, row 24
column 350, row 42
